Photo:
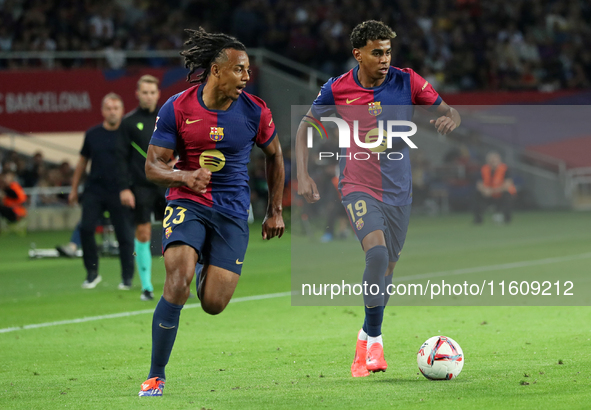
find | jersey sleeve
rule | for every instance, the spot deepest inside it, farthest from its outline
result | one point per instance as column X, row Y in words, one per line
column 165, row 130
column 422, row 92
column 266, row 131
column 324, row 103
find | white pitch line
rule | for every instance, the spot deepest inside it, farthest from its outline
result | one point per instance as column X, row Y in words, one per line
column 464, row 271
column 503, row 266
column 134, row 313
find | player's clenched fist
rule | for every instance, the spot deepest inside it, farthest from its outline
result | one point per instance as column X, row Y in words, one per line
column 197, row 180
column 273, row 226
column 307, row 188
column 444, row 125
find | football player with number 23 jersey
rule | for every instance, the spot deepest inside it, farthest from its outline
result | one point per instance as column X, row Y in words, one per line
column 213, row 127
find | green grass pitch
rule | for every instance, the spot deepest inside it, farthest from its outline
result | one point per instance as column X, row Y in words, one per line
column 267, row 354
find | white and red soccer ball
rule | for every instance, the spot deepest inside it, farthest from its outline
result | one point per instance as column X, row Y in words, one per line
column 440, row 358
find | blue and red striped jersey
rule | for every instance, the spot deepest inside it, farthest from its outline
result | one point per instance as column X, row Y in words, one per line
column 220, row 141
column 386, row 178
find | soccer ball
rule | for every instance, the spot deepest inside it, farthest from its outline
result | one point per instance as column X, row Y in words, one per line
column 440, row 358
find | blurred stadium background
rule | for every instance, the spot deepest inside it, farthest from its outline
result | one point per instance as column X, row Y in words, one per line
column 57, row 60
column 507, row 65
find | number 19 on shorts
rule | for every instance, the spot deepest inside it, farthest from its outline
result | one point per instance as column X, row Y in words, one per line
column 360, row 209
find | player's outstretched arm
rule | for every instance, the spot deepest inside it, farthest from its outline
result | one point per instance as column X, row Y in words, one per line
column 273, row 223
column 159, row 172
column 449, row 121
column 306, row 185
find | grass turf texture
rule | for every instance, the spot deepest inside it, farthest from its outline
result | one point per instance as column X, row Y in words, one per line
column 268, row 354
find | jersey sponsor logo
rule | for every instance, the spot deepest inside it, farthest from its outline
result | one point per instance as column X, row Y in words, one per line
column 350, row 101
column 216, row 134
column 359, row 224
column 212, row 159
column 140, row 126
column 188, row 122
column 168, row 232
column 238, row 262
column 372, row 137
column 375, row 108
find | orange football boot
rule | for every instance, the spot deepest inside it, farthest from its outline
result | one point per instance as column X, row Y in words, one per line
column 358, row 368
column 375, row 359
column 152, row 387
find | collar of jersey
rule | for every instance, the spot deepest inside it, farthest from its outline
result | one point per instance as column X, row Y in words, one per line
column 200, row 99
column 388, row 76
column 145, row 111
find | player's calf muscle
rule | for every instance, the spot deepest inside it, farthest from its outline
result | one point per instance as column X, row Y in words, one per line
column 213, row 307
column 219, row 288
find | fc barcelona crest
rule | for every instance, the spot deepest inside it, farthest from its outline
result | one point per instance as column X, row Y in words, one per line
column 359, row 224
column 216, row 134
column 168, row 232
column 375, row 108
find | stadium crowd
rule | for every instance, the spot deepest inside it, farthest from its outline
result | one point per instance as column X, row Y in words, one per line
column 35, row 171
column 455, row 44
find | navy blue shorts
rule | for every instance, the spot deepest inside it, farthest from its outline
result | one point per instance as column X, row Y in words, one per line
column 367, row 214
column 220, row 240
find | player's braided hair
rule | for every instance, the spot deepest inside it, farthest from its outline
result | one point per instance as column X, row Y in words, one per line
column 370, row 30
column 204, row 49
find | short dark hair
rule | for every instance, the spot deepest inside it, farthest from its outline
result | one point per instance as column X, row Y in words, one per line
column 370, row 30
column 204, row 49
column 112, row 96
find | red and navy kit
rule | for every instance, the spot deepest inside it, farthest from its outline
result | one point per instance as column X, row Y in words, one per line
column 386, row 178
column 220, row 141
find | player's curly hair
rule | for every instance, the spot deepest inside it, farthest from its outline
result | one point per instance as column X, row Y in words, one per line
column 205, row 49
column 370, row 30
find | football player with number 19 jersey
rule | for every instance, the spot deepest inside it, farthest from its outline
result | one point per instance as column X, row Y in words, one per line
column 375, row 183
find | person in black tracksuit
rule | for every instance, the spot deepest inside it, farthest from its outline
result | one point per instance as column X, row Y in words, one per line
column 136, row 191
column 101, row 193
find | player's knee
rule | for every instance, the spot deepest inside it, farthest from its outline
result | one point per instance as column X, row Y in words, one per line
column 143, row 236
column 178, row 284
column 377, row 257
column 143, row 232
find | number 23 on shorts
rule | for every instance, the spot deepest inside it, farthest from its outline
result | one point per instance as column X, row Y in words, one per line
column 179, row 213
